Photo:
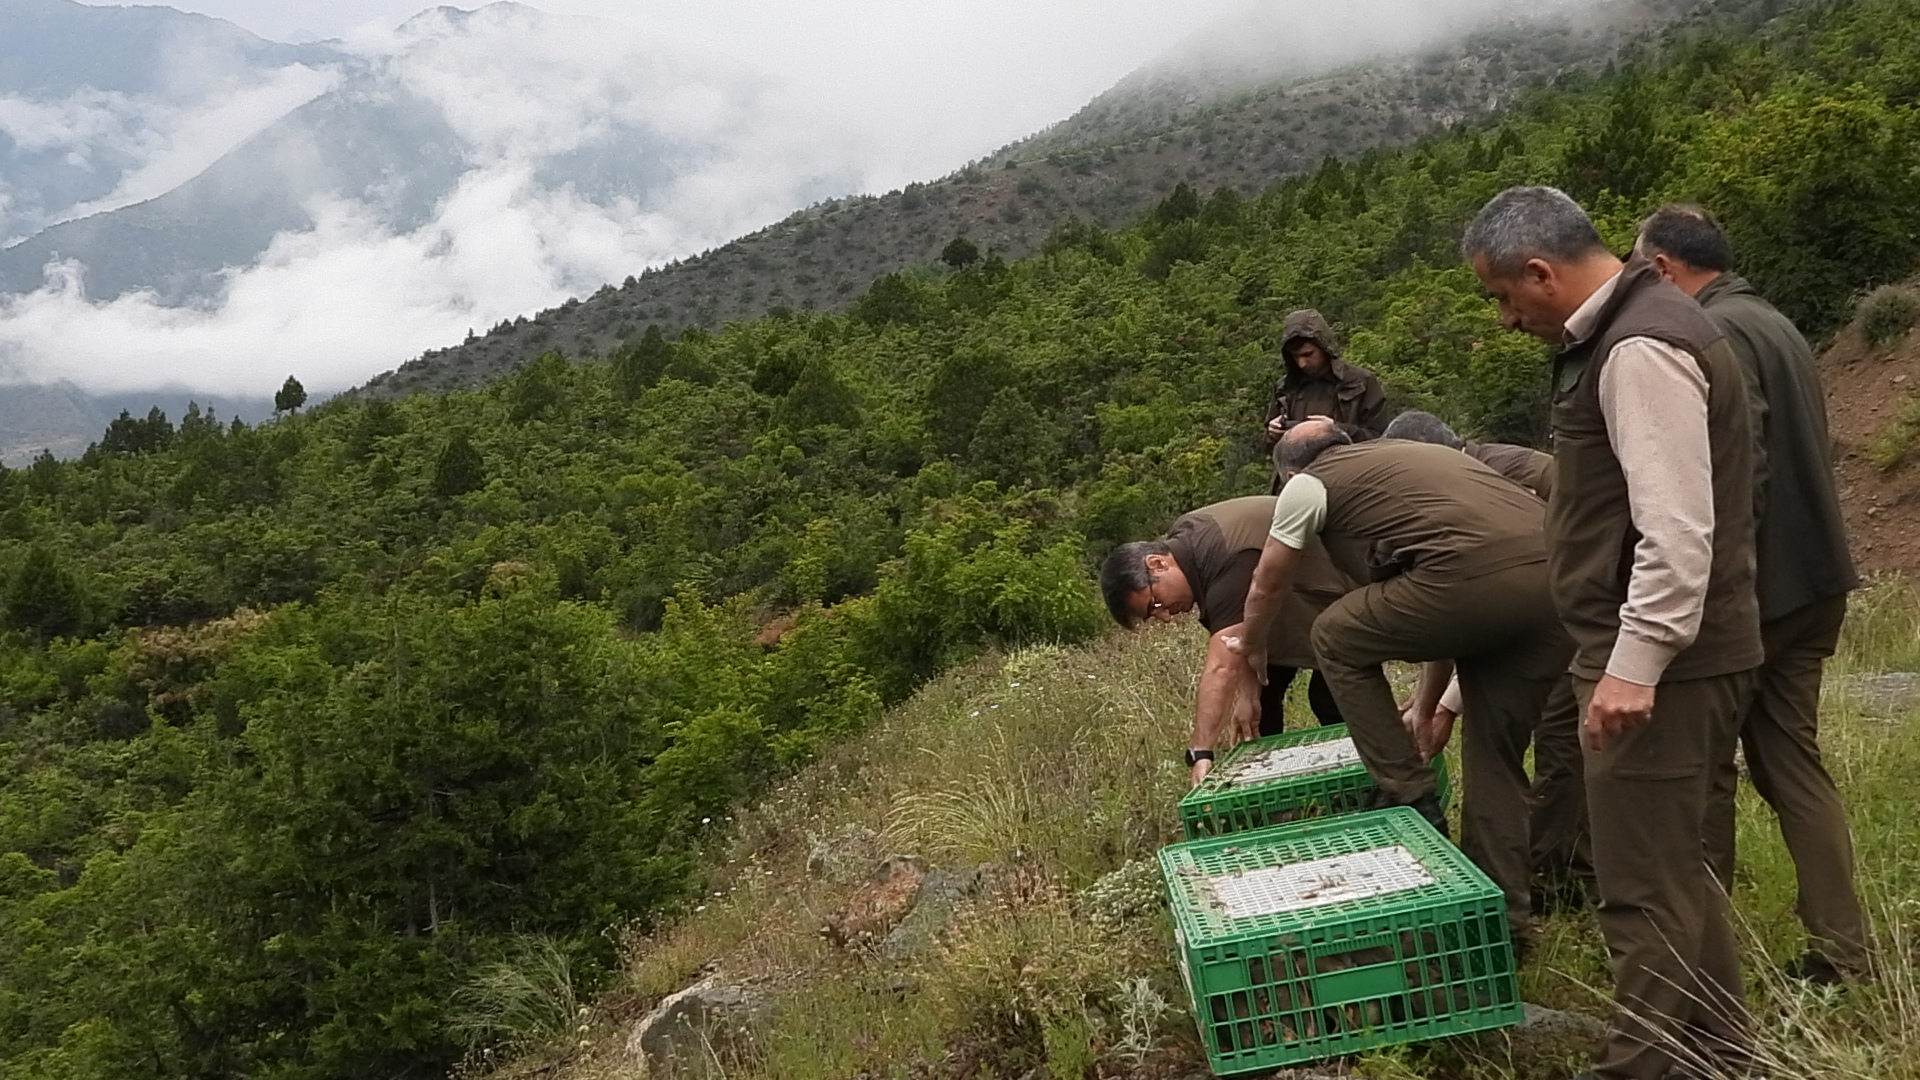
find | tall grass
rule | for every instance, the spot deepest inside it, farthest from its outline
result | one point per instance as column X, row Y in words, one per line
column 1058, row 769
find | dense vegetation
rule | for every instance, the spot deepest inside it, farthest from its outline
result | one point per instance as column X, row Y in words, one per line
column 301, row 723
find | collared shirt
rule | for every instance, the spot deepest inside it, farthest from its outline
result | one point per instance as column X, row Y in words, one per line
column 1653, row 397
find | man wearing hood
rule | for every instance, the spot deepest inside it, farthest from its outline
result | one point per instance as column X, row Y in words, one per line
column 1805, row 573
column 1316, row 382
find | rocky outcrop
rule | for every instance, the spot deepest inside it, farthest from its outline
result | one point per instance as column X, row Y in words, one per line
column 708, row 1024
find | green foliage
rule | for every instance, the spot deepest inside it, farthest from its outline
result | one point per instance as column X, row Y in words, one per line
column 43, row 597
column 637, row 366
column 1889, row 449
column 1886, row 314
column 960, row 253
column 290, row 396
column 460, row 468
column 522, row 1002
column 304, row 726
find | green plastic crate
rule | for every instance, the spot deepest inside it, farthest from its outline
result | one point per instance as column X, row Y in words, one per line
column 1336, row 935
column 1225, row 802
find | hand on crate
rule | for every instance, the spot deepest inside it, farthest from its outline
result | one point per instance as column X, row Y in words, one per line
column 1200, row 770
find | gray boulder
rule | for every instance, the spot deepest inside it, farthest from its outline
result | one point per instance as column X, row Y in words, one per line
column 698, row 1031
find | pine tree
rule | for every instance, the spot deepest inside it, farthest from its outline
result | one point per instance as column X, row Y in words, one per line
column 460, row 469
column 291, row 396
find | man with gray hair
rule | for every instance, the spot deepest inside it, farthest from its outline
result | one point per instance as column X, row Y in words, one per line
column 1805, row 574
column 1650, row 536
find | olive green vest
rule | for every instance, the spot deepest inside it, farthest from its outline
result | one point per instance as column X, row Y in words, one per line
column 1217, row 548
column 1590, row 533
column 1396, row 506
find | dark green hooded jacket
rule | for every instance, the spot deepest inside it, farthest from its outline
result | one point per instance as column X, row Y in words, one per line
column 1346, row 392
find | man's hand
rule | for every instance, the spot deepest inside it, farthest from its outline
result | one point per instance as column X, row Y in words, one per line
column 1246, row 712
column 1276, row 427
column 1200, row 770
column 1255, row 656
column 1617, row 707
column 1431, row 733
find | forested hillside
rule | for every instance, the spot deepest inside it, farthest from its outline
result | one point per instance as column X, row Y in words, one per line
column 1106, row 165
column 301, row 722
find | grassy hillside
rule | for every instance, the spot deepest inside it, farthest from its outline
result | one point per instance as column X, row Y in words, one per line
column 304, row 724
column 1106, row 165
column 1056, row 770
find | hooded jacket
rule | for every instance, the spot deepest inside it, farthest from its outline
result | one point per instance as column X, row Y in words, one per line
column 1347, row 392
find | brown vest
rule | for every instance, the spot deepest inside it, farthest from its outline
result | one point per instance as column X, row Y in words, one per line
column 1397, row 506
column 1523, row 465
column 1589, row 528
column 1217, row 548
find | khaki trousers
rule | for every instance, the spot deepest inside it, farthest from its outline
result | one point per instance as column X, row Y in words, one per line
column 1667, row 922
column 1781, row 737
column 1501, row 631
column 1562, row 854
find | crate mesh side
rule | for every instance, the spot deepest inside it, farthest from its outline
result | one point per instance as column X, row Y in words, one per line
column 1286, row 762
column 1272, row 990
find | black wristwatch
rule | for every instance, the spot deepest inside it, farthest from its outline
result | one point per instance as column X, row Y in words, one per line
column 1196, row 756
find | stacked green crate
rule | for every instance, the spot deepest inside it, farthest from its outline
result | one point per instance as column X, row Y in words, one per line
column 1336, row 935
column 1289, row 777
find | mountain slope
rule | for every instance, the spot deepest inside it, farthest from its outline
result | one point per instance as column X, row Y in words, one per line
column 340, row 147
column 88, row 95
column 1107, row 164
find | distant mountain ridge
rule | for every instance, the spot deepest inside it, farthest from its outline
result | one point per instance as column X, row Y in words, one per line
column 1106, row 164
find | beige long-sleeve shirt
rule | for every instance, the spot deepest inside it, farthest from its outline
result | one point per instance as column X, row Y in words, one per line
column 1653, row 397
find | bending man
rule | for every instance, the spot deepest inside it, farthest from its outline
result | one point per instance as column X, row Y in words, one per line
column 1206, row 561
column 1459, row 572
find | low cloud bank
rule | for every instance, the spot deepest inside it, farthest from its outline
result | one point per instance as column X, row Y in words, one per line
column 746, row 121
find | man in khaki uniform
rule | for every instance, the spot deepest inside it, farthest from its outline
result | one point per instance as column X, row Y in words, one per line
column 1560, row 852
column 1650, row 534
column 1805, row 574
column 1206, row 561
column 1458, row 567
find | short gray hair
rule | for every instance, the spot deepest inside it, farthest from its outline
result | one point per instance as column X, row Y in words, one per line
column 1416, row 426
column 1523, row 223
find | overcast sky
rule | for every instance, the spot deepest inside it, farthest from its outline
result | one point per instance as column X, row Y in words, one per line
column 800, row 99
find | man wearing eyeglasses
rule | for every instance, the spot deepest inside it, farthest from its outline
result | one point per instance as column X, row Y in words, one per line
column 1206, row 562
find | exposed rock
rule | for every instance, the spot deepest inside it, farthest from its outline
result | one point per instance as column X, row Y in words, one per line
column 1541, row 1022
column 707, row 1022
column 941, row 894
column 880, row 903
column 1545, row 1037
column 845, row 855
column 1887, row 694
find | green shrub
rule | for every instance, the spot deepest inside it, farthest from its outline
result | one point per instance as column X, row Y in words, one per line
column 1889, row 448
column 1886, row 314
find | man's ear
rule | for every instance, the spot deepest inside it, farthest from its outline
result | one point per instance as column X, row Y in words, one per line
column 1157, row 563
column 1539, row 272
column 1667, row 265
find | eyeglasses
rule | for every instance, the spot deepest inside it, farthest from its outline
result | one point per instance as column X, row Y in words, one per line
column 1153, row 602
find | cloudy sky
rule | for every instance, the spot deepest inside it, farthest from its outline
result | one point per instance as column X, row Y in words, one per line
column 793, row 100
